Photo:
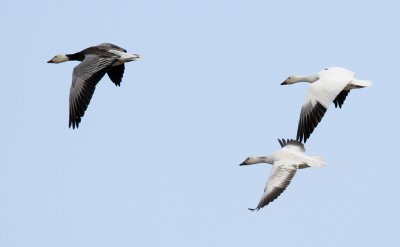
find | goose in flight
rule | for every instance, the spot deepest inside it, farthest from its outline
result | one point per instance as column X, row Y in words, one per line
column 285, row 163
column 329, row 85
column 96, row 61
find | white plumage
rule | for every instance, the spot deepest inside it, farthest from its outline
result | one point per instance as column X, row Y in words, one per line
column 285, row 163
column 329, row 85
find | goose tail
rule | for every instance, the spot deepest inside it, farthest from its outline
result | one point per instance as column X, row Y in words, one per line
column 361, row 83
column 316, row 161
column 130, row 57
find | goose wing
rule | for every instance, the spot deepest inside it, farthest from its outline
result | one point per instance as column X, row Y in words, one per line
column 319, row 95
column 111, row 46
column 292, row 144
column 339, row 100
column 280, row 177
column 116, row 73
column 85, row 77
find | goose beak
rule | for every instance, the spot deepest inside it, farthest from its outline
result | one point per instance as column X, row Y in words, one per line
column 50, row 61
column 284, row 83
column 242, row 164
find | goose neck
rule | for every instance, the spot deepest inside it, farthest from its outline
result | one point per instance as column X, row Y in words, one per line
column 75, row 56
column 310, row 78
column 263, row 159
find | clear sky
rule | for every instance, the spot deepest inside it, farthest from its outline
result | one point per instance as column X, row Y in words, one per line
column 156, row 161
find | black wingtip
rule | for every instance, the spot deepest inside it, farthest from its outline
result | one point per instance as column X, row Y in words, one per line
column 253, row 209
column 74, row 124
column 309, row 122
column 340, row 98
column 284, row 142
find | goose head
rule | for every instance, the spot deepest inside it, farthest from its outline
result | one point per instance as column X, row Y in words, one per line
column 58, row 59
column 253, row 160
column 290, row 80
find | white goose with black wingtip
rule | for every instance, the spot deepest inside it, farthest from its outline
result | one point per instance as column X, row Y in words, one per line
column 285, row 163
column 329, row 85
column 96, row 61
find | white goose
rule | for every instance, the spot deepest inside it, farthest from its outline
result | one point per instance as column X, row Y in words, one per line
column 96, row 61
column 285, row 163
column 329, row 85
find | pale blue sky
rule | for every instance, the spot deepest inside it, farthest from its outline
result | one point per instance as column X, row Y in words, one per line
column 156, row 161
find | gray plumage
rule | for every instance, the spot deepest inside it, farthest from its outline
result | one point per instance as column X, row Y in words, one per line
column 96, row 61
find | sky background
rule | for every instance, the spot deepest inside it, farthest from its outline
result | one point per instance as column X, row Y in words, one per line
column 156, row 161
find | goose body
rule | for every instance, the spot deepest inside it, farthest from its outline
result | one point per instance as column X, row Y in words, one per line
column 96, row 61
column 329, row 85
column 285, row 163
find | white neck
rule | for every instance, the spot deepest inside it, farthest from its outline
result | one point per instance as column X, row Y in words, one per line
column 310, row 79
column 260, row 159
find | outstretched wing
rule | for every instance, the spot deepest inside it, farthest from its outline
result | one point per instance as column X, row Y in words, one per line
column 339, row 100
column 112, row 46
column 319, row 95
column 85, row 77
column 290, row 143
column 116, row 73
column 280, row 177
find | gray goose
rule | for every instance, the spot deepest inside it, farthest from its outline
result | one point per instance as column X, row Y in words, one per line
column 96, row 61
